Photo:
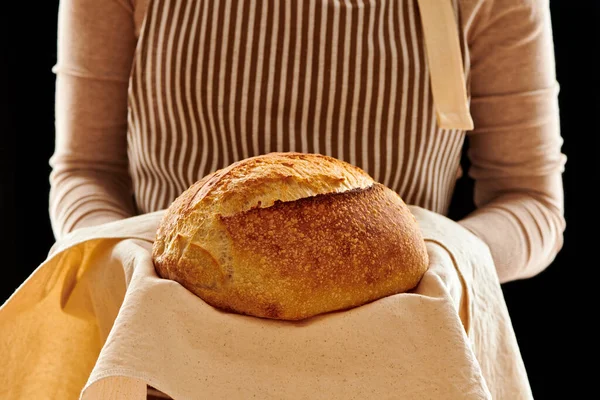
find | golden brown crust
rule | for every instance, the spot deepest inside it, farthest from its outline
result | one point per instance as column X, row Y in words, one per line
column 261, row 181
column 348, row 244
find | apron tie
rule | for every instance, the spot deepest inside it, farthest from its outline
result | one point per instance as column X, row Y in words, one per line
column 445, row 64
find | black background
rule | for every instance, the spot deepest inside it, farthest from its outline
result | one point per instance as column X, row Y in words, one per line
column 551, row 312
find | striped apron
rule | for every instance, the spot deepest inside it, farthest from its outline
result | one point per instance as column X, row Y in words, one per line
column 216, row 81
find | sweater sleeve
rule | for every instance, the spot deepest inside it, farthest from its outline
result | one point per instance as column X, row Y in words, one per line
column 515, row 148
column 89, row 181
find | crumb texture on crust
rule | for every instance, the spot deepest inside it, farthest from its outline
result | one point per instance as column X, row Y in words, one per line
column 289, row 236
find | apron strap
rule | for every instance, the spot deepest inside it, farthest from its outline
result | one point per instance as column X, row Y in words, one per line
column 445, row 64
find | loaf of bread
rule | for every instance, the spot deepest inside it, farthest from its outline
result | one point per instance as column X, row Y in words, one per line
column 289, row 236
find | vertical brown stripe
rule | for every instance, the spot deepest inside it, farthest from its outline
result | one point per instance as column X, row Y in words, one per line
column 184, row 116
column 305, row 62
column 443, row 153
column 353, row 31
column 210, row 148
column 133, row 130
column 446, row 164
column 131, row 150
column 367, row 133
column 147, row 107
column 226, row 92
column 388, row 86
column 362, row 91
column 322, row 83
column 199, row 140
column 400, row 94
column 450, row 180
column 401, row 131
column 267, row 105
column 356, row 111
column 209, row 96
column 457, row 141
column 154, row 142
column 424, row 95
column 235, row 77
column 340, row 113
column 292, row 66
column 281, row 77
column 138, row 175
column 383, row 93
column 374, row 127
column 439, row 152
column 445, row 173
column 207, row 148
column 273, row 90
column 173, row 91
column 165, row 137
column 425, row 139
column 413, row 98
column 309, row 130
column 241, row 95
column 425, row 190
column 217, row 68
column 141, row 99
column 330, row 83
column 336, row 138
column 251, row 131
column 134, row 149
column 262, row 112
column 391, row 114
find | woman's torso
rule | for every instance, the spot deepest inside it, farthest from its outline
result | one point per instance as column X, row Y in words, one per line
column 217, row 81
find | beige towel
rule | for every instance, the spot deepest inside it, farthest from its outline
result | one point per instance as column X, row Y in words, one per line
column 94, row 320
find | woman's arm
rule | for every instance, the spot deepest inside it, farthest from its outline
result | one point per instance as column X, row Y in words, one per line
column 89, row 182
column 515, row 148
